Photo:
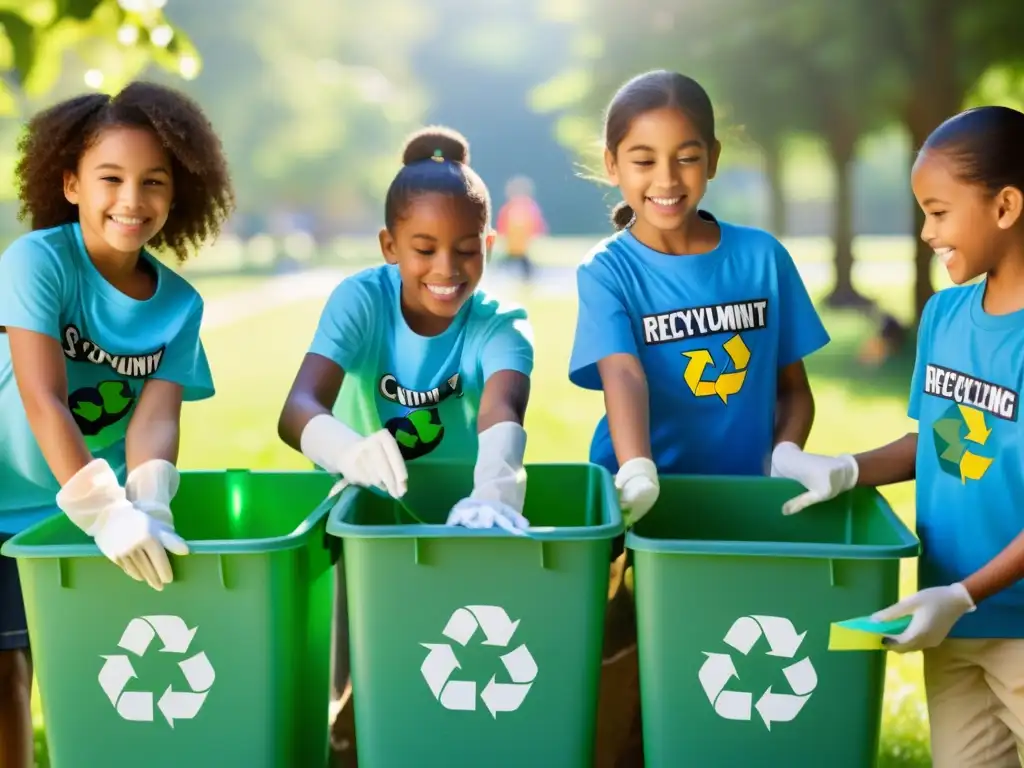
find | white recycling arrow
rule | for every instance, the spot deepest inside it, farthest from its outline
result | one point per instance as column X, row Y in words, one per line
column 715, row 673
column 438, row 666
column 117, row 671
column 779, row 707
column 507, row 697
column 492, row 619
column 180, row 705
column 497, row 629
column 783, row 641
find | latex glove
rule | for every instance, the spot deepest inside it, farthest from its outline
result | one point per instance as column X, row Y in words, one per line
column 365, row 461
column 824, row 477
column 934, row 610
column 137, row 543
column 471, row 513
column 499, row 482
column 151, row 487
column 638, row 487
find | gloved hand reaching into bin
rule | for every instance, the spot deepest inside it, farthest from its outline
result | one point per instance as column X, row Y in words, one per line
column 638, row 487
column 375, row 461
column 824, row 477
column 499, row 482
column 137, row 542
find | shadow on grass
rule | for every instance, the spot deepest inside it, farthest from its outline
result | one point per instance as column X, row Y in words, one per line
column 840, row 365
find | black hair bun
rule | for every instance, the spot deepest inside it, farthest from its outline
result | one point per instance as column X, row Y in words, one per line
column 436, row 141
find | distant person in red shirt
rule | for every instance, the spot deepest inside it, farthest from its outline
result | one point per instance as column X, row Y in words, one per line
column 520, row 221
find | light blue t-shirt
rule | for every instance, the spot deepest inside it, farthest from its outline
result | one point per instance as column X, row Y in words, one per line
column 965, row 395
column 425, row 390
column 712, row 332
column 112, row 344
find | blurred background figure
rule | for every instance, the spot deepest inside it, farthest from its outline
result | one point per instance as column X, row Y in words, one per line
column 520, row 221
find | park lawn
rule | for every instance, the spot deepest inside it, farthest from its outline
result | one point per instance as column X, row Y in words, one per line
column 254, row 362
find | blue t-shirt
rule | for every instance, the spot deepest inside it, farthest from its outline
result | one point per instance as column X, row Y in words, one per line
column 712, row 332
column 965, row 395
column 112, row 344
column 425, row 390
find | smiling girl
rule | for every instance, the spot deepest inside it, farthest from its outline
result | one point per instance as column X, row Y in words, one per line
column 99, row 341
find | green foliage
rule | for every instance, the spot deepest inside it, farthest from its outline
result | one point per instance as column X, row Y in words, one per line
column 311, row 99
column 115, row 40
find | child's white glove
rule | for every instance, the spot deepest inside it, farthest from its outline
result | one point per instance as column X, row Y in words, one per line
column 95, row 502
column 824, row 477
column 499, row 482
column 934, row 612
column 638, row 487
column 365, row 461
column 151, row 487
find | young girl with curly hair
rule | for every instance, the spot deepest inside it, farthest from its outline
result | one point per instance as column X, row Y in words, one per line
column 99, row 341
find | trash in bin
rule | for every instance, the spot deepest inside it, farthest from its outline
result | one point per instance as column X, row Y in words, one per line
column 483, row 647
column 228, row 665
column 734, row 607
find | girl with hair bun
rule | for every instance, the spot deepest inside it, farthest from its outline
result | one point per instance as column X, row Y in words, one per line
column 431, row 365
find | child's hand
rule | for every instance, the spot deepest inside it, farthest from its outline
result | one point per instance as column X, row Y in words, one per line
column 95, row 502
column 637, row 483
column 499, row 482
column 824, row 477
column 934, row 612
column 374, row 461
column 474, row 513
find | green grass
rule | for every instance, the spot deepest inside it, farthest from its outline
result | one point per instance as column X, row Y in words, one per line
column 254, row 363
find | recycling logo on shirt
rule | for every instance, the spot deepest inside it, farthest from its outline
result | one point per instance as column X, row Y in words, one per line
column 417, row 433
column 137, row 705
column 959, row 430
column 441, row 664
column 730, row 701
column 99, row 407
column 727, row 382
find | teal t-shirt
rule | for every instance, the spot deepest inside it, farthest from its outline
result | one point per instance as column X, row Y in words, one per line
column 425, row 390
column 965, row 396
column 112, row 344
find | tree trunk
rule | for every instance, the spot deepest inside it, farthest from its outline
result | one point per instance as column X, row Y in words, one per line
column 842, row 143
column 772, row 152
column 936, row 96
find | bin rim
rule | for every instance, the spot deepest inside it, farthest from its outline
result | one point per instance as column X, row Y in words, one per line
column 611, row 524
column 908, row 544
column 15, row 548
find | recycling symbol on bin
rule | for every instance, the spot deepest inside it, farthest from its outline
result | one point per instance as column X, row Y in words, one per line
column 176, row 638
column 497, row 629
column 773, row 707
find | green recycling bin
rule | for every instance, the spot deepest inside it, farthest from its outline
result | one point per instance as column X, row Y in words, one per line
column 476, row 647
column 734, row 604
column 228, row 665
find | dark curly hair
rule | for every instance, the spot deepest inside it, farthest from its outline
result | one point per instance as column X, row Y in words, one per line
column 57, row 137
column 435, row 159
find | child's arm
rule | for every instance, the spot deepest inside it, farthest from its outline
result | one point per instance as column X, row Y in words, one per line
column 794, row 409
column 154, row 430
column 605, row 356
column 937, row 609
column 38, row 363
column 307, row 425
column 313, row 394
column 505, row 397
column 1004, row 570
column 892, row 463
column 499, row 476
column 825, row 477
column 90, row 494
column 627, row 405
